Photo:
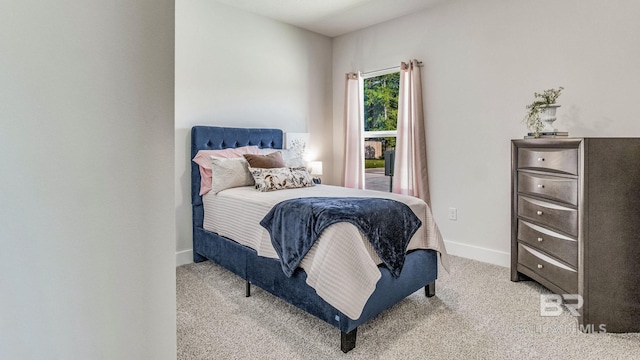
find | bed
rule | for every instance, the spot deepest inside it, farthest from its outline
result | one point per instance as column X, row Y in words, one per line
column 420, row 268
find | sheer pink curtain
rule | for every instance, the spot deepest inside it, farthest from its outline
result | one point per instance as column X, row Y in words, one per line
column 410, row 171
column 354, row 142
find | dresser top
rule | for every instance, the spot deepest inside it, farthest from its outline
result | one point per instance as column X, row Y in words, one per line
column 571, row 141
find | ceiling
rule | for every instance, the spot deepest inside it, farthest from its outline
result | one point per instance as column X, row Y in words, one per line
column 331, row 17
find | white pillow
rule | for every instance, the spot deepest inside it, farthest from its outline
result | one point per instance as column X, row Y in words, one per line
column 203, row 159
column 229, row 173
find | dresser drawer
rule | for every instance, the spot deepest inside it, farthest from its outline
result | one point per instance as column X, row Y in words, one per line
column 552, row 187
column 560, row 160
column 555, row 216
column 547, row 267
column 562, row 247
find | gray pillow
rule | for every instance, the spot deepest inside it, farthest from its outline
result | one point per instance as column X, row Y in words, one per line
column 273, row 160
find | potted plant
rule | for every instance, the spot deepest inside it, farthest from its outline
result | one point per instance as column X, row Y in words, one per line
column 541, row 113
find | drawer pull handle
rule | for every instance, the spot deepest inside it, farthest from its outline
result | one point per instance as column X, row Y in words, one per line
column 540, row 186
column 539, row 266
column 540, row 239
column 539, row 212
column 540, row 159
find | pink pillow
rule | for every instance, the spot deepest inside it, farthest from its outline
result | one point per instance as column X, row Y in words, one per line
column 203, row 158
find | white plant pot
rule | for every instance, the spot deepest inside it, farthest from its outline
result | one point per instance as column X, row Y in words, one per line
column 548, row 116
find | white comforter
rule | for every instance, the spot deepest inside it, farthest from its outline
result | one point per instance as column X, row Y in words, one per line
column 342, row 265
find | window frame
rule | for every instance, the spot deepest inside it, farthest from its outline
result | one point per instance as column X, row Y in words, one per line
column 376, row 134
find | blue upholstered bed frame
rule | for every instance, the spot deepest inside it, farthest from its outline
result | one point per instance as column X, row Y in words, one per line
column 420, row 268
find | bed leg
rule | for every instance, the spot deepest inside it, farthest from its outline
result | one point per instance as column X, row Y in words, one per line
column 430, row 289
column 348, row 340
column 247, row 289
column 198, row 258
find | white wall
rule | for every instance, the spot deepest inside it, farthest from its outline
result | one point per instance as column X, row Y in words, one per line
column 87, row 267
column 238, row 69
column 483, row 62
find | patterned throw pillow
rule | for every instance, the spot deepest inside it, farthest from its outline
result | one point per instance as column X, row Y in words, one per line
column 281, row 178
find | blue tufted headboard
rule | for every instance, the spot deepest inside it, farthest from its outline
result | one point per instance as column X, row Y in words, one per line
column 217, row 138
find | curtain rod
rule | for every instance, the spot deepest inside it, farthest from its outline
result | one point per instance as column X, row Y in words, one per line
column 385, row 69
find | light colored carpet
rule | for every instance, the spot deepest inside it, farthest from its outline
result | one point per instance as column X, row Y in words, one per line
column 477, row 313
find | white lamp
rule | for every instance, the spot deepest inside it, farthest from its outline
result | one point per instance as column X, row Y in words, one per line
column 315, row 169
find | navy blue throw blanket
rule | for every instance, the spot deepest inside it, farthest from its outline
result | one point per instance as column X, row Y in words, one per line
column 295, row 225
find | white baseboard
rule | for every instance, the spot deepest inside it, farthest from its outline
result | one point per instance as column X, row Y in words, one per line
column 478, row 253
column 184, row 257
column 453, row 248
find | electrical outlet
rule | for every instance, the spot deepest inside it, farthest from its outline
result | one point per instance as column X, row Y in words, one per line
column 453, row 213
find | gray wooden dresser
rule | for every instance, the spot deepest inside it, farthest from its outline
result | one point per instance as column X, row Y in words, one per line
column 575, row 224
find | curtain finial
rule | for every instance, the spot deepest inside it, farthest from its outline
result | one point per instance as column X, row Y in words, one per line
column 410, row 64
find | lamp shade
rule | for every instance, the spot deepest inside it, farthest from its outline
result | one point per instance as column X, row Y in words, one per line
column 315, row 167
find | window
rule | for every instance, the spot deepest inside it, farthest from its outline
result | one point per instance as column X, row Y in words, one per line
column 380, row 128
